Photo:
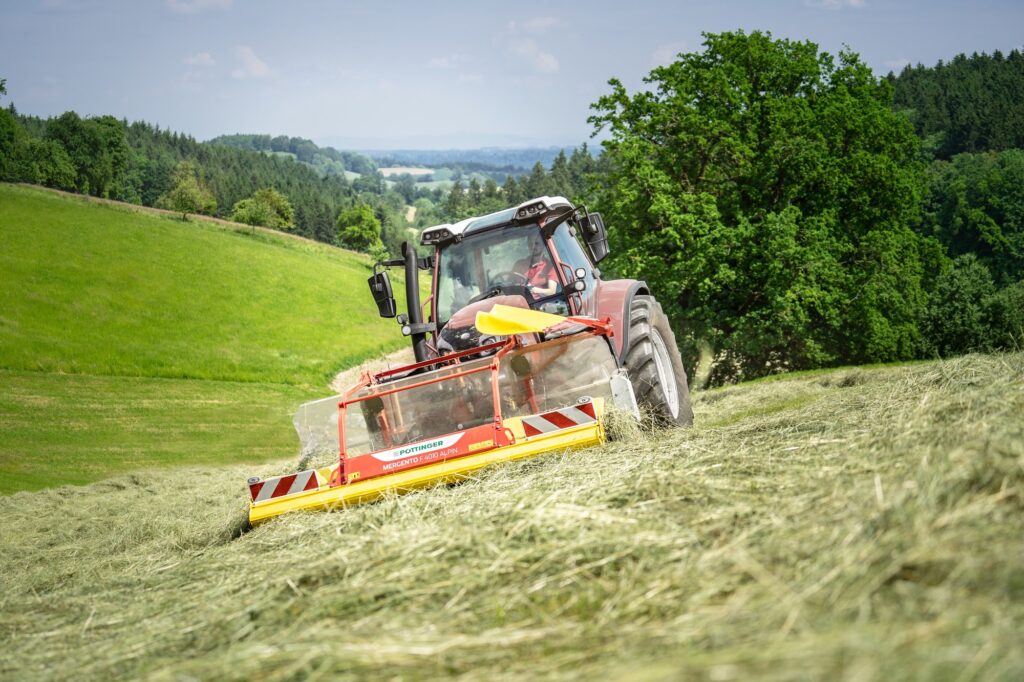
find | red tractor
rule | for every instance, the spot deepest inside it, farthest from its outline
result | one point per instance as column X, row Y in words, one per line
column 520, row 348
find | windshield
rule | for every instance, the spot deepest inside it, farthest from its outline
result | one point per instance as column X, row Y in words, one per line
column 508, row 260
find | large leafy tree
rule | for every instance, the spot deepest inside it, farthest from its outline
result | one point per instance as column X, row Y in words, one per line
column 764, row 189
column 97, row 148
column 359, row 230
column 187, row 194
column 267, row 208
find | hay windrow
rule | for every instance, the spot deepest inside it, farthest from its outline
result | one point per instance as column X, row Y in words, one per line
column 866, row 524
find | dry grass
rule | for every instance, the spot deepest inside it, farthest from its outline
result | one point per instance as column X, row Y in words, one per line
column 864, row 524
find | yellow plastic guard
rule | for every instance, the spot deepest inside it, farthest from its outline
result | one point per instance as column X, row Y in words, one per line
column 339, row 497
column 504, row 320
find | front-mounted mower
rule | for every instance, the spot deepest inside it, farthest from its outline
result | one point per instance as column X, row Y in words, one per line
column 521, row 348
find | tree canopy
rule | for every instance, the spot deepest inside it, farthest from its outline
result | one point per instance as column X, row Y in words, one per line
column 265, row 208
column 764, row 189
column 359, row 229
column 974, row 204
column 187, row 194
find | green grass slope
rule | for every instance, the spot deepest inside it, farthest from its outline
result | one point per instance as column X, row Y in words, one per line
column 857, row 524
column 86, row 288
column 74, row 428
column 109, row 317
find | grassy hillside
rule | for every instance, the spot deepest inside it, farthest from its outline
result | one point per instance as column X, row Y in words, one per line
column 857, row 524
column 109, row 316
column 89, row 289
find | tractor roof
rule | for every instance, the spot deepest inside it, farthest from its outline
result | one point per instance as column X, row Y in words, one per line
column 528, row 211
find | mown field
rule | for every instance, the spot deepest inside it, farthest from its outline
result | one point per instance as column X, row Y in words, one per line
column 858, row 524
column 130, row 340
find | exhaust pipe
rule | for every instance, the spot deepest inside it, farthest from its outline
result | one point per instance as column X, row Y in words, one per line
column 412, row 297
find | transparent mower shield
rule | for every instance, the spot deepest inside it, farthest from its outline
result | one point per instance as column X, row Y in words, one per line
column 409, row 410
column 529, row 380
column 316, row 423
column 555, row 374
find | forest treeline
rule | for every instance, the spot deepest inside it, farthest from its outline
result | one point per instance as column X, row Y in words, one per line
column 328, row 160
column 969, row 104
column 138, row 162
column 135, row 162
column 791, row 209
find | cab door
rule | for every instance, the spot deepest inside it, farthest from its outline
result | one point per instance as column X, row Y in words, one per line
column 571, row 257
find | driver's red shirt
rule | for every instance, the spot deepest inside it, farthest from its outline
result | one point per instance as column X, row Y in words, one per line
column 540, row 273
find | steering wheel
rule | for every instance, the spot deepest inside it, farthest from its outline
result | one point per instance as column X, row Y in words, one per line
column 507, row 282
column 502, row 277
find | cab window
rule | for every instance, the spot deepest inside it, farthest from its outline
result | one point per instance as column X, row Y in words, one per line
column 573, row 256
column 511, row 260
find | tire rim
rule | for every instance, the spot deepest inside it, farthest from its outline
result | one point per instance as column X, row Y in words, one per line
column 666, row 374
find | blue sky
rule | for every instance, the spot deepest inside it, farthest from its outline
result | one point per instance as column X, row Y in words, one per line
column 422, row 74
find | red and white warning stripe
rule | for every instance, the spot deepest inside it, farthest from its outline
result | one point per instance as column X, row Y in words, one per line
column 564, row 418
column 279, row 486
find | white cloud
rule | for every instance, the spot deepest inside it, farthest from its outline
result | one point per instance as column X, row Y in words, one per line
column 666, row 54
column 534, row 55
column 836, row 4
column 198, row 6
column 249, row 65
column 520, row 44
column 470, row 78
column 200, row 59
column 447, row 61
column 537, row 25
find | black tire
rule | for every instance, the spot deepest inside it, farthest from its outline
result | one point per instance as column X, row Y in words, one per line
column 654, row 364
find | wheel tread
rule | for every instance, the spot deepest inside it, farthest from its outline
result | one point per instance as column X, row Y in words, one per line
column 644, row 315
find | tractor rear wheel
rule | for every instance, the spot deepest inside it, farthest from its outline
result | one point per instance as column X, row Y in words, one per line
column 654, row 365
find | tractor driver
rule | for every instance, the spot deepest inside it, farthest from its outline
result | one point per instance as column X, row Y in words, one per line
column 538, row 269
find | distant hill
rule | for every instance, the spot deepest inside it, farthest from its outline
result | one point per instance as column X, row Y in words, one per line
column 514, row 161
column 496, row 163
column 135, row 162
column 326, row 160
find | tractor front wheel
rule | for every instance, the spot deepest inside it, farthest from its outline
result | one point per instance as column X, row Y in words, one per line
column 654, row 365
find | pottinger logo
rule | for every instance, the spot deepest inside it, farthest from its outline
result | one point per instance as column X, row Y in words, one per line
column 417, row 448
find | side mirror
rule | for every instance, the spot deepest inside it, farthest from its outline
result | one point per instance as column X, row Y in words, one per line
column 380, row 287
column 595, row 235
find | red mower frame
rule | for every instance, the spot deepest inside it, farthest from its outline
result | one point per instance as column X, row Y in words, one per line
column 473, row 440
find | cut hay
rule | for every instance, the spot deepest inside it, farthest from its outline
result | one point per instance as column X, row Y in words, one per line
column 860, row 524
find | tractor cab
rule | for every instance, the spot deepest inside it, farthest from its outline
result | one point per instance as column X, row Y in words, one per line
column 529, row 256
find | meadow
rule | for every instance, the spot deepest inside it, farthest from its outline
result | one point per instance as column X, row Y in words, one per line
column 855, row 524
column 72, row 429
column 90, row 289
column 130, row 340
